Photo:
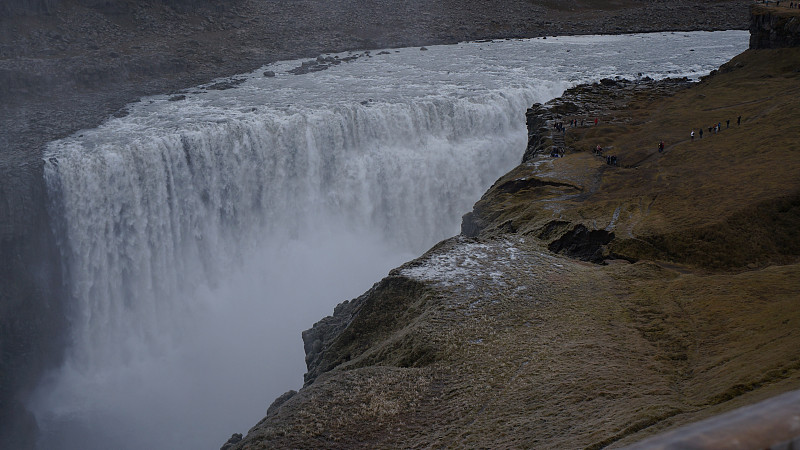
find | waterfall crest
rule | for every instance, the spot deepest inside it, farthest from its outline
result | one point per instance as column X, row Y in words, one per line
column 147, row 218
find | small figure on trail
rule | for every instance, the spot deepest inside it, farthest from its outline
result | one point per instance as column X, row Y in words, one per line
column 661, row 146
column 595, row 121
column 719, row 127
column 701, row 132
column 739, row 121
column 728, row 123
column 691, row 135
column 598, row 150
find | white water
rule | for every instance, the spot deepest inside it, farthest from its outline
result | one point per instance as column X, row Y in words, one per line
column 201, row 236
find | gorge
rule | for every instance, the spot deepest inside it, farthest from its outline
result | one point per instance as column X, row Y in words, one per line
column 190, row 222
column 146, row 253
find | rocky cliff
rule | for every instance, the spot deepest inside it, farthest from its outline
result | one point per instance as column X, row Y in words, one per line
column 589, row 301
column 774, row 26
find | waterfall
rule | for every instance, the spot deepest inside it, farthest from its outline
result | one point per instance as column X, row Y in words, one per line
column 200, row 233
column 147, row 219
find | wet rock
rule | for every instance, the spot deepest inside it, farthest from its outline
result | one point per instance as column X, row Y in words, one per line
column 223, row 85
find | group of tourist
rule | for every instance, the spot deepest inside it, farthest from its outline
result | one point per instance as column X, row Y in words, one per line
column 716, row 128
column 573, row 123
column 557, row 152
column 793, row 5
column 611, row 160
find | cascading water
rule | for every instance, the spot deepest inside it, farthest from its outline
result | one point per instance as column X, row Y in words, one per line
column 200, row 234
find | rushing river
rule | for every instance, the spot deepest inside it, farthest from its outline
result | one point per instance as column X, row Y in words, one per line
column 202, row 232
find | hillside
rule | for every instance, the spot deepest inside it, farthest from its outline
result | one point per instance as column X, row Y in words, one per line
column 585, row 304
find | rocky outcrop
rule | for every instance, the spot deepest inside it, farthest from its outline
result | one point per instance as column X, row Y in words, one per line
column 774, row 27
column 355, row 325
column 582, row 243
column 537, row 119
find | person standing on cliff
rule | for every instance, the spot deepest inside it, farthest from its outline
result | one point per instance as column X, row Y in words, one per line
column 660, row 146
column 701, row 132
column 691, row 135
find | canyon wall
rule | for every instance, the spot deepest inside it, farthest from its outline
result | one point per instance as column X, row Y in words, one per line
column 774, row 27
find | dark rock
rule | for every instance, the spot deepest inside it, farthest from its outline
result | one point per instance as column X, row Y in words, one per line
column 310, row 66
column 582, row 243
column 235, row 439
column 273, row 408
column 356, row 324
column 424, row 49
column 471, row 224
column 223, row 85
column 176, row 98
column 770, row 28
column 269, row 74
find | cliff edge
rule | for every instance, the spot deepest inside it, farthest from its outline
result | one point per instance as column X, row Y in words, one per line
column 774, row 26
column 593, row 299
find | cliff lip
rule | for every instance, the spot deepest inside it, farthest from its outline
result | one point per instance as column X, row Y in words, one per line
column 774, row 27
column 527, row 347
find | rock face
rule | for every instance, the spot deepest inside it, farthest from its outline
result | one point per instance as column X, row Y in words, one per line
column 32, row 300
column 345, row 337
column 773, row 27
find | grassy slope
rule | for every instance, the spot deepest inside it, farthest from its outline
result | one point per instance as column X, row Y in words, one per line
column 721, row 202
column 557, row 353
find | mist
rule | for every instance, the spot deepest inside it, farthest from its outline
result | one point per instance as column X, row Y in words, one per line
column 237, row 351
